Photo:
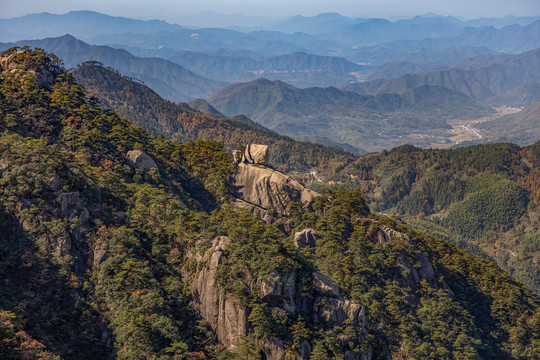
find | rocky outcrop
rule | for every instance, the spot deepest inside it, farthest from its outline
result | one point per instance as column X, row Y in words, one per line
column 334, row 312
column 306, row 238
column 14, row 64
column 255, row 185
column 256, row 154
column 229, row 319
column 268, row 189
column 97, row 255
column 140, row 160
column 279, row 289
column 324, row 285
column 410, row 274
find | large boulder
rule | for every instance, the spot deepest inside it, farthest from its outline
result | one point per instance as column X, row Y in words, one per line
column 256, row 154
column 305, row 239
column 324, row 285
column 140, row 160
column 268, row 189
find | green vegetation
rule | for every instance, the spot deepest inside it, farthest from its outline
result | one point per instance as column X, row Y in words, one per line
column 370, row 122
column 93, row 258
column 144, row 108
column 483, row 198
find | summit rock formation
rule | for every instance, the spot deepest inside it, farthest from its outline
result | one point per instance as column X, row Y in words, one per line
column 256, row 184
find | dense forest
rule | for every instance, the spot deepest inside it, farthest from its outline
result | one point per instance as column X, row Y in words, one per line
column 483, row 198
column 95, row 250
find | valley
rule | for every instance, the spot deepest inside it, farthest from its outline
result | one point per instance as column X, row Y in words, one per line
column 465, row 130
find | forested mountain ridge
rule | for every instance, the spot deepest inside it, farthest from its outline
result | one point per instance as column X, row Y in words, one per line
column 483, row 198
column 99, row 248
column 146, row 109
column 494, row 83
column 170, row 80
column 299, row 69
column 371, row 122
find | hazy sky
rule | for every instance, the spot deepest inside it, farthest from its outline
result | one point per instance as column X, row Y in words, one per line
column 171, row 10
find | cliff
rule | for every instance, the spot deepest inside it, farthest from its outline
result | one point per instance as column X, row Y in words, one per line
column 230, row 318
column 255, row 184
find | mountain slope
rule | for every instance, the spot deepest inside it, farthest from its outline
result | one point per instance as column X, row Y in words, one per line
column 368, row 122
column 82, row 24
column 300, row 69
column 487, row 83
column 170, row 80
column 106, row 256
column 520, row 128
column 483, row 198
column 146, row 109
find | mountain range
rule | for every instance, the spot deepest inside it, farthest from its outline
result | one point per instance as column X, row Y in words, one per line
column 120, row 244
column 505, row 82
column 335, row 35
column 367, row 121
column 299, row 69
column 170, row 80
column 184, row 122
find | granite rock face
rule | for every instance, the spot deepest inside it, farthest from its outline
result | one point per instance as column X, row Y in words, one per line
column 140, row 160
column 229, row 319
column 256, row 154
column 324, row 285
column 261, row 188
column 11, row 64
column 306, row 238
column 268, row 189
column 411, row 274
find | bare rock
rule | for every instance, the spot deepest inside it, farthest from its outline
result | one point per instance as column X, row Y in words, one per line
column 332, row 312
column 229, row 319
column 274, row 349
column 70, row 202
column 140, row 160
column 387, row 234
column 279, row 289
column 224, row 315
column 414, row 275
column 11, row 64
column 305, row 239
column 99, row 255
column 256, row 154
column 426, row 267
column 324, row 285
column 220, row 243
column 237, row 156
column 268, row 189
